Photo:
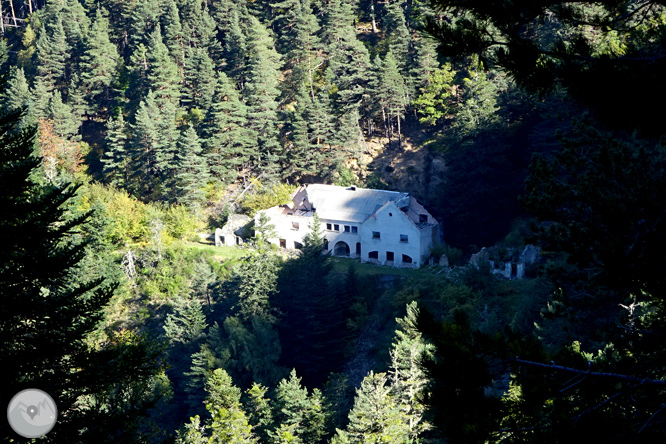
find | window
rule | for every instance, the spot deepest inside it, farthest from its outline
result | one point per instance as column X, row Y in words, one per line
column 406, row 259
column 329, row 227
column 404, row 238
column 373, row 255
column 376, row 235
column 423, row 218
column 294, row 225
column 354, row 230
column 389, row 256
column 283, row 243
column 336, row 227
column 347, row 229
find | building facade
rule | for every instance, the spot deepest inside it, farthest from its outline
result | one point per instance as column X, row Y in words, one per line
column 383, row 227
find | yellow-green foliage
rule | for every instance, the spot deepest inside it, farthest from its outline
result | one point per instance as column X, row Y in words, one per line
column 265, row 197
column 127, row 217
column 181, row 222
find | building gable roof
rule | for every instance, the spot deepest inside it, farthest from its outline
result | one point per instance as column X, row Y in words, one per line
column 350, row 204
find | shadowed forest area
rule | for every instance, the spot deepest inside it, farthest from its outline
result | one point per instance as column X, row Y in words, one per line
column 132, row 129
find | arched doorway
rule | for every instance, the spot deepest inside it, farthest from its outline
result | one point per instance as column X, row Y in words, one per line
column 358, row 249
column 341, row 249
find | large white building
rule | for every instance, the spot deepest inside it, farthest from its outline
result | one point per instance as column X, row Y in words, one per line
column 386, row 227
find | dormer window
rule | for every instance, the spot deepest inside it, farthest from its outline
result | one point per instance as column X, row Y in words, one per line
column 423, row 218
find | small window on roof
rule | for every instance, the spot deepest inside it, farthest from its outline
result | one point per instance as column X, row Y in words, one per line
column 423, row 218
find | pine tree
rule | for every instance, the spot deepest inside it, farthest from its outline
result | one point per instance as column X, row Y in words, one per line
column 163, row 77
column 397, row 35
column 312, row 329
column 232, row 26
column 349, row 61
column 261, row 93
column 230, row 145
column 115, row 156
column 17, row 93
column 198, row 25
column 98, row 62
column 48, row 309
column 199, row 80
column 192, row 171
column 187, row 322
column 41, row 97
column 375, row 417
column 144, row 168
column 76, row 98
column 255, row 282
column 258, row 410
column 16, row 96
column 65, row 123
column 407, row 378
column 52, row 54
column 391, row 93
column 297, row 413
column 229, row 423
column 173, row 33
column 145, row 16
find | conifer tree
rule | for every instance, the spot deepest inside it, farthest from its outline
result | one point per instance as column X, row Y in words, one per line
column 16, row 96
column 145, row 16
column 173, row 33
column 391, row 93
column 397, row 35
column 198, row 25
column 187, row 322
column 229, row 423
column 146, row 138
column 192, row 171
column 313, row 327
column 41, row 98
column 115, row 156
column 65, row 123
column 231, row 146
column 298, row 413
column 261, row 93
column 17, row 93
column 163, row 78
column 304, row 57
column 407, row 378
column 199, row 80
column 375, row 417
column 49, row 309
column 98, row 62
column 258, row 409
column 231, row 18
column 76, row 98
column 349, row 61
column 52, row 54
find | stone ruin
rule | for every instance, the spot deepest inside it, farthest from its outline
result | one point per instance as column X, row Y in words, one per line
column 234, row 231
column 507, row 262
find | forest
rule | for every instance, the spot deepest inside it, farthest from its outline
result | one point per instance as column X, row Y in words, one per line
column 132, row 129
